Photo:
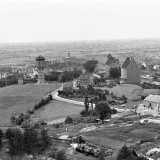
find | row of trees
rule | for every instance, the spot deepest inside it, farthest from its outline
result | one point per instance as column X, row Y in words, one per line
column 21, row 118
column 102, row 108
column 29, row 141
column 125, row 153
column 63, row 77
column 9, row 80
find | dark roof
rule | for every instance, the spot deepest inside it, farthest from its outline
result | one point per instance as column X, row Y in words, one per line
column 126, row 63
column 111, row 60
column 109, row 56
column 40, row 58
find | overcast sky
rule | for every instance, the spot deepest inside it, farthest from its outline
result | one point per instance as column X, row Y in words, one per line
column 69, row 20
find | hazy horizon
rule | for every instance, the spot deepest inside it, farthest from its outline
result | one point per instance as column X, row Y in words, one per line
column 58, row 21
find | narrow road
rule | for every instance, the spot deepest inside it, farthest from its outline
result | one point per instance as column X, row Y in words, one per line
column 56, row 97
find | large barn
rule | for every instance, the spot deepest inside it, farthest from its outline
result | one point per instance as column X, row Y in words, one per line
column 130, row 71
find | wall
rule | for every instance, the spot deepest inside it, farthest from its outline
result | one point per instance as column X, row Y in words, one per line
column 123, row 75
column 133, row 73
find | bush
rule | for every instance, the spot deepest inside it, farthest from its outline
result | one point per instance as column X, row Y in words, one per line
column 84, row 113
column 93, row 113
column 113, row 111
column 69, row 120
column 61, row 155
column 52, row 154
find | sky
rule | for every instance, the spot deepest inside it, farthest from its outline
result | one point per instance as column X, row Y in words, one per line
column 78, row 20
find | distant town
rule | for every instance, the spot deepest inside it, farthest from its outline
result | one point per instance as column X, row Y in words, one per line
column 94, row 106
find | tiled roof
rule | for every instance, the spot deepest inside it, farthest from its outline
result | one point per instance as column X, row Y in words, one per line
column 126, row 63
column 153, row 98
column 110, row 60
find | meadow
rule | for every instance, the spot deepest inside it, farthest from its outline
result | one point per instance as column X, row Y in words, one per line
column 17, row 99
column 57, row 110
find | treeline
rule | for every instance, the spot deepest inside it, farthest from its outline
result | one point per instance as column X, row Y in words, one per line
column 23, row 119
column 28, row 141
column 63, row 77
column 146, row 85
column 9, row 80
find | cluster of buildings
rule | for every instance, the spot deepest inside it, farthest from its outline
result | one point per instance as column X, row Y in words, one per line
column 25, row 70
column 130, row 72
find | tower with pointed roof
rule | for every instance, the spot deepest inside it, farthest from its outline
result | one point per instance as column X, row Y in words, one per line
column 130, row 71
column 40, row 63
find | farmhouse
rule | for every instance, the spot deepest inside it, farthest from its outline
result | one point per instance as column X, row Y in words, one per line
column 84, row 80
column 111, row 62
column 150, row 106
column 68, row 86
column 130, row 71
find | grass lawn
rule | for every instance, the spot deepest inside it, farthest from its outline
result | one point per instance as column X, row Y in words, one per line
column 125, row 89
column 57, row 109
column 19, row 98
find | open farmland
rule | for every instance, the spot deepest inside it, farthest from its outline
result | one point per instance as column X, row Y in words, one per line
column 19, row 98
column 115, row 137
column 56, row 110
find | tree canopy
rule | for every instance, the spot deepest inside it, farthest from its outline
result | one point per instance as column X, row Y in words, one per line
column 115, row 72
column 90, row 65
column 103, row 110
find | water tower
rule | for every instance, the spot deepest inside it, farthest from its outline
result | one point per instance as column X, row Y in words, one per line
column 40, row 63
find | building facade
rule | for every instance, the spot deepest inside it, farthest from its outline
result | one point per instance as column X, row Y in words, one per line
column 150, row 106
column 40, row 63
column 84, row 80
column 130, row 71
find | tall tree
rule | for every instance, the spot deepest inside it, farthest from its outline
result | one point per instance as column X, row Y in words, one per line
column 103, row 110
column 90, row 65
column 44, row 138
column 30, row 140
column 96, row 100
column 115, row 72
column 86, row 104
column 91, row 101
column 15, row 141
column 124, row 152
column 1, row 137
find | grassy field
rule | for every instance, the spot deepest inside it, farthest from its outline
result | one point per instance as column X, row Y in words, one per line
column 19, row 98
column 116, row 137
column 125, row 89
column 57, row 110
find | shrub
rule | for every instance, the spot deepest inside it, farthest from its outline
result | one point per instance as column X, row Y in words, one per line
column 93, row 113
column 84, row 113
column 102, row 155
column 52, row 154
column 113, row 111
column 69, row 120
column 60, row 155
column 13, row 118
column 26, row 116
column 57, row 125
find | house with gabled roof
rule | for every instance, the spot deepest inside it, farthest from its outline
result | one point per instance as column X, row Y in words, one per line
column 150, row 106
column 85, row 79
column 130, row 71
column 111, row 62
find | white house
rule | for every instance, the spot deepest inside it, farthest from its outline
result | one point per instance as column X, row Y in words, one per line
column 150, row 106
